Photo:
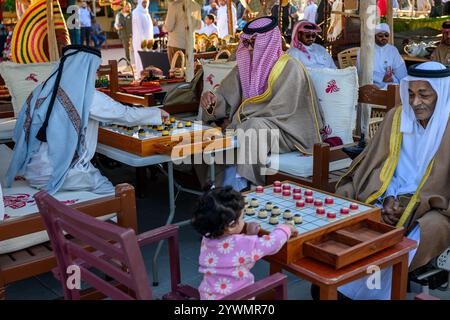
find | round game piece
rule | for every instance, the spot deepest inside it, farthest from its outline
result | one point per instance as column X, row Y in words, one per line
column 254, row 202
column 329, row 201
column 172, row 119
column 320, row 211
column 277, row 184
column 141, row 132
column 114, row 125
column 165, row 132
column 259, row 189
column 308, row 193
column 246, row 200
column 297, row 190
column 250, row 211
column 269, row 206
column 180, row 125
column 318, row 203
column 300, row 204
column 297, row 196
column 286, row 194
column 286, row 187
column 287, row 214
column 275, row 211
column 262, row 214
column 160, row 128
column 277, row 190
column 331, row 215
column 298, row 219
column 309, row 200
column 167, row 123
column 354, row 207
column 273, row 220
column 188, row 124
column 289, row 221
column 344, row 211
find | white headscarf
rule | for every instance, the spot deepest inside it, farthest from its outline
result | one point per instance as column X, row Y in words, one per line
column 438, row 123
column 382, row 27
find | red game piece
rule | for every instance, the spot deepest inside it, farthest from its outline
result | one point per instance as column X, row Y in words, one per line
column 318, row 203
column 308, row 193
column 297, row 196
column 344, row 211
column 297, row 190
column 354, row 206
column 329, row 200
column 286, row 187
column 277, row 190
column 277, row 184
column 331, row 215
column 320, row 211
column 259, row 189
column 286, row 193
column 309, row 200
column 300, row 204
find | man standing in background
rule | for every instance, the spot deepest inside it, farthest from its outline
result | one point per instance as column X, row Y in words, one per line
column 85, row 20
column 310, row 11
column 123, row 26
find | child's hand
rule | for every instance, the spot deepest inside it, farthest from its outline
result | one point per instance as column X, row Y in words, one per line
column 253, row 228
column 294, row 231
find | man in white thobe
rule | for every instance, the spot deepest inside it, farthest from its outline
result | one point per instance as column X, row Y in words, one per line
column 388, row 65
column 54, row 146
column 208, row 27
column 310, row 11
column 142, row 27
column 304, row 49
column 222, row 19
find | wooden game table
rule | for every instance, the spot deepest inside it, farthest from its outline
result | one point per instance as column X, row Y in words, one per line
column 328, row 279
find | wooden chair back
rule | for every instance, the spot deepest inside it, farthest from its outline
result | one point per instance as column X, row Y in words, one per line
column 347, row 58
column 112, row 72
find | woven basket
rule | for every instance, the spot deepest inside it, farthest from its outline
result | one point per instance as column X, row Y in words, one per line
column 178, row 72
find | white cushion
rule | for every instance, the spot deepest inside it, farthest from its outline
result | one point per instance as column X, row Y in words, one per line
column 21, row 79
column 7, row 128
column 294, row 163
column 337, row 91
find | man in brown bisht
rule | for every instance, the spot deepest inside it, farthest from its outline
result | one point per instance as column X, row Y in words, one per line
column 442, row 52
column 405, row 170
column 267, row 90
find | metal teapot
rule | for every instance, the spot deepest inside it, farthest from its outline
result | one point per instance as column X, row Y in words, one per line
column 415, row 49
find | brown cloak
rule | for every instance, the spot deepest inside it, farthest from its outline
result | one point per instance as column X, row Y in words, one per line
column 368, row 176
column 289, row 104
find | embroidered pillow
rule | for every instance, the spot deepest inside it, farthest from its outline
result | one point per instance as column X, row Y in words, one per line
column 21, row 79
column 337, row 92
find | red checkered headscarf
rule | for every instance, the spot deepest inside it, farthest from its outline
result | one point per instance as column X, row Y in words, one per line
column 267, row 48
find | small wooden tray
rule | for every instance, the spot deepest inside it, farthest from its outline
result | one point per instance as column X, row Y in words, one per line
column 352, row 243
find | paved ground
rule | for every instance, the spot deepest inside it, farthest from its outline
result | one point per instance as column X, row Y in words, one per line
column 152, row 213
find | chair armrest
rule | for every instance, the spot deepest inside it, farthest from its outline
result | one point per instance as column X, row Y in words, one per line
column 158, row 234
column 277, row 282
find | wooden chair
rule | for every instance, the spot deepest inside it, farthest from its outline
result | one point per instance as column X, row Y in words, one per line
column 39, row 259
column 323, row 154
column 347, row 58
column 116, row 252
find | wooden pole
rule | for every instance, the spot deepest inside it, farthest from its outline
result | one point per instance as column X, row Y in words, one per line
column 190, row 41
column 390, row 20
column 230, row 18
column 51, row 33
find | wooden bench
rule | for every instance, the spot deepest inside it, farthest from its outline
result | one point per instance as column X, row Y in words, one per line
column 323, row 154
column 39, row 259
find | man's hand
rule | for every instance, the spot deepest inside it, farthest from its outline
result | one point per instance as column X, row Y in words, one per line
column 164, row 115
column 208, row 101
column 392, row 211
column 294, row 231
column 252, row 228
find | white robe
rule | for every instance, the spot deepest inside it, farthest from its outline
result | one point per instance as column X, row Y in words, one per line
column 208, row 30
column 142, row 30
column 319, row 57
column 83, row 176
column 310, row 13
column 386, row 57
column 2, row 205
column 222, row 21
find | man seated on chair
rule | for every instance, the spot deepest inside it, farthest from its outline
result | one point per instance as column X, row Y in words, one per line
column 388, row 65
column 56, row 132
column 266, row 91
column 303, row 48
column 208, row 27
column 442, row 52
column 405, row 169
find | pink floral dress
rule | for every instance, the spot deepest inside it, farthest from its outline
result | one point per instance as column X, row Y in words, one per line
column 226, row 262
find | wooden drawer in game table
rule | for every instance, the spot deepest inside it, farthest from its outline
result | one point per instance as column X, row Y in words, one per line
column 332, row 229
column 179, row 138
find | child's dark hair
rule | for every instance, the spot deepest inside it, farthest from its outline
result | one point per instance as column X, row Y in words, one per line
column 217, row 210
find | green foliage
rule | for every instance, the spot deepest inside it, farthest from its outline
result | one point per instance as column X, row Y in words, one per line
column 9, row 5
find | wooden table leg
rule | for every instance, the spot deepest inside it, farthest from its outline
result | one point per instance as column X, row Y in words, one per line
column 274, row 268
column 400, row 279
column 141, row 175
column 328, row 292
